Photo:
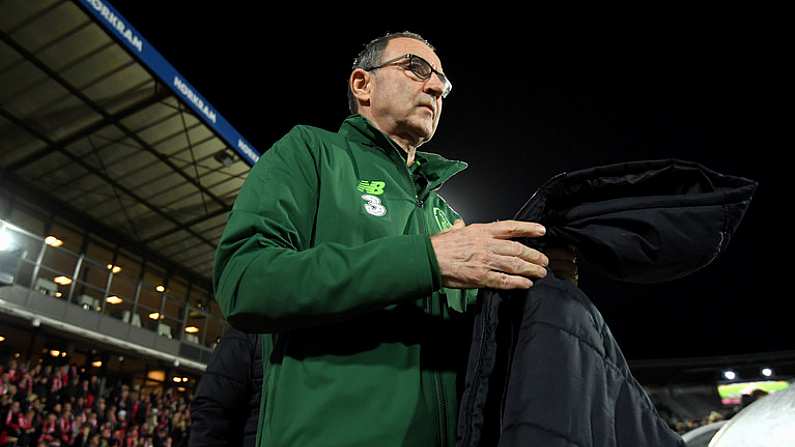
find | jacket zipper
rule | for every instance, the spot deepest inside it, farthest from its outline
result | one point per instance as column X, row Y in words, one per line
column 442, row 407
column 441, row 395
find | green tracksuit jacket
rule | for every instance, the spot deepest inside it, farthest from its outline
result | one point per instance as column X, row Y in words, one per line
column 327, row 251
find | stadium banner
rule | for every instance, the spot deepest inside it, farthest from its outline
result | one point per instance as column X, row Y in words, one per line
column 127, row 35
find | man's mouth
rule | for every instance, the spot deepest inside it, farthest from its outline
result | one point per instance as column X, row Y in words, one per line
column 433, row 112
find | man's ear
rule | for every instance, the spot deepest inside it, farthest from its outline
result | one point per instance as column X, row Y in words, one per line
column 361, row 85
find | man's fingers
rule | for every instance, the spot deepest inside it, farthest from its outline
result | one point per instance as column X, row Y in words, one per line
column 488, row 254
column 516, row 266
column 509, row 229
column 498, row 280
column 519, row 250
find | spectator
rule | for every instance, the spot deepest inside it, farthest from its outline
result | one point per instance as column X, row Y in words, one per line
column 225, row 408
column 41, row 405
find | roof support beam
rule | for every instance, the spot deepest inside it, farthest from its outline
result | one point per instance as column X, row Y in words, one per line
column 18, row 122
column 61, row 81
column 159, row 95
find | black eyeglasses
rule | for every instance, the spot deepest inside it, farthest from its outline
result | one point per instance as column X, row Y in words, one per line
column 420, row 67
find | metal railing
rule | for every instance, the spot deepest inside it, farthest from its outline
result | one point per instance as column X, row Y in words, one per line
column 42, row 265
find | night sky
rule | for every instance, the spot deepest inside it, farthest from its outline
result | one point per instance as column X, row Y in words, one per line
column 532, row 98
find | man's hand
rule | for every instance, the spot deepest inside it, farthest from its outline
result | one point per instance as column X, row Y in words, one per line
column 482, row 256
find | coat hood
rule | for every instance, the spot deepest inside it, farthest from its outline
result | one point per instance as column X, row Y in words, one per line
column 642, row 222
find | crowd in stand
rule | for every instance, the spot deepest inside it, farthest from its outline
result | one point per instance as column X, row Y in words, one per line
column 47, row 405
column 43, row 405
column 683, row 426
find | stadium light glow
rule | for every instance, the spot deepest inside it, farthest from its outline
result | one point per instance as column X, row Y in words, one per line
column 6, row 241
column 767, row 372
column 729, row 374
column 157, row 375
column 62, row 280
column 53, row 241
column 113, row 300
column 160, row 289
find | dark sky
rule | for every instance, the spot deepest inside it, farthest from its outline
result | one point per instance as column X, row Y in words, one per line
column 532, row 98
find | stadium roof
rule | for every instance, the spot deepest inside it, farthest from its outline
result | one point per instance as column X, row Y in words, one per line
column 95, row 121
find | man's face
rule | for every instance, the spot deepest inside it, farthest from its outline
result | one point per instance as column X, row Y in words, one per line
column 402, row 103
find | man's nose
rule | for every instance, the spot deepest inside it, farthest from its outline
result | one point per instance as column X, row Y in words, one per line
column 434, row 86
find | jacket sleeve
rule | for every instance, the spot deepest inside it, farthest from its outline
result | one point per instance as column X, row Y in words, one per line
column 220, row 408
column 269, row 275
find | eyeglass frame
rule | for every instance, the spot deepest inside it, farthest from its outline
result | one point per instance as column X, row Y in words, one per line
column 448, row 86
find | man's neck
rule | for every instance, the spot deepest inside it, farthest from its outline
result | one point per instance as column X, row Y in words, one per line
column 407, row 147
column 406, row 143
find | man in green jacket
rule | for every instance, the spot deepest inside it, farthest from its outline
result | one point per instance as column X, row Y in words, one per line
column 339, row 249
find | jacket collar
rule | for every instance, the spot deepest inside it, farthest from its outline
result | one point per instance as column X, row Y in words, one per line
column 435, row 168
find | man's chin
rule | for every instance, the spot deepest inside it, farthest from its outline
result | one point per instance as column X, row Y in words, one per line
column 424, row 130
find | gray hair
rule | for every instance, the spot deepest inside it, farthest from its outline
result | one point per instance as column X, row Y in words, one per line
column 372, row 54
